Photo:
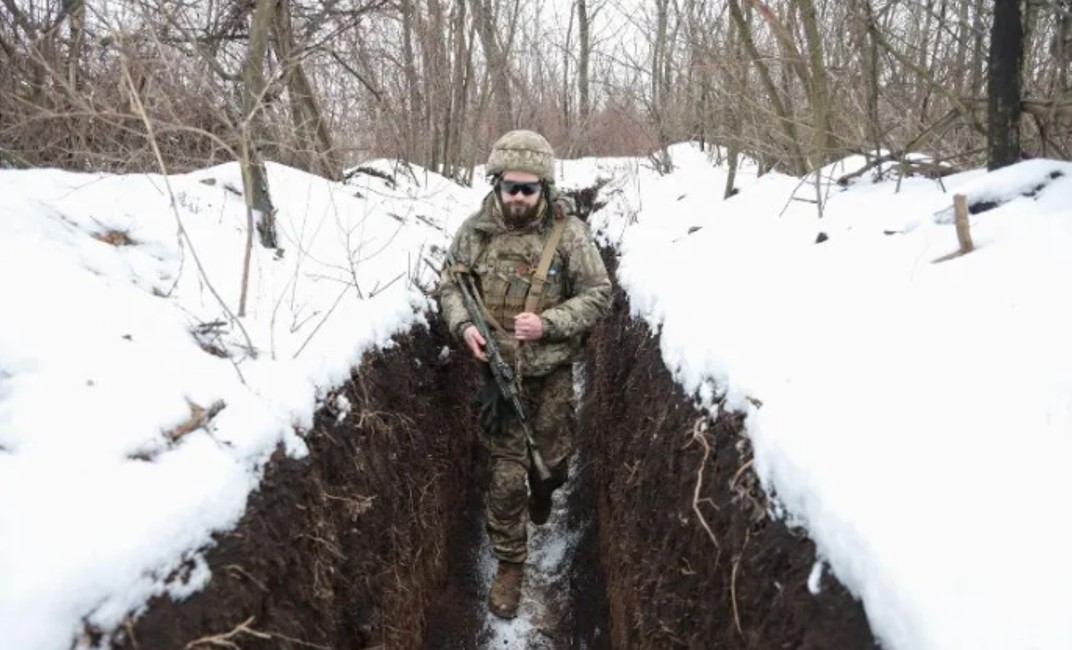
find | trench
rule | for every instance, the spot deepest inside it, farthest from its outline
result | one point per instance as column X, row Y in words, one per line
column 661, row 539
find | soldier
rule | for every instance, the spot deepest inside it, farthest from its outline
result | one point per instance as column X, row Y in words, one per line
column 542, row 285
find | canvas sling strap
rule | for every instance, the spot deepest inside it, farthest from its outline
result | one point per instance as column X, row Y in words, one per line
column 539, row 280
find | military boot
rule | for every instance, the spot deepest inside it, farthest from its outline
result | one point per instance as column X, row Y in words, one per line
column 506, row 590
column 541, row 493
column 539, row 505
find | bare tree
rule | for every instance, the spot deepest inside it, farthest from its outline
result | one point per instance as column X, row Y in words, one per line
column 1006, row 52
column 254, row 176
column 584, row 47
column 498, row 63
column 335, row 82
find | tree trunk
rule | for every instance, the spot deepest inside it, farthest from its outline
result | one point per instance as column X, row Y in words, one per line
column 409, row 67
column 584, row 106
column 960, row 64
column 796, row 158
column 498, row 66
column 820, row 95
column 869, row 57
column 1062, row 49
column 660, row 86
column 1006, row 53
column 733, row 144
column 436, row 73
column 923, row 62
column 460, row 77
column 567, row 118
column 254, row 176
column 978, row 49
column 77, row 21
column 315, row 140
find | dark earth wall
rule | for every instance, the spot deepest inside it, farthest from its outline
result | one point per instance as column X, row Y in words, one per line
column 668, row 584
column 346, row 548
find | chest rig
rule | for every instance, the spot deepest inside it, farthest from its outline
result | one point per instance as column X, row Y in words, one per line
column 518, row 273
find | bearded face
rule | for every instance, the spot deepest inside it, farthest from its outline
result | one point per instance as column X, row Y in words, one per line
column 520, row 196
column 518, row 215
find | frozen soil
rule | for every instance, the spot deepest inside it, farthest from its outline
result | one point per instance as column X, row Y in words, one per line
column 690, row 555
column 348, row 547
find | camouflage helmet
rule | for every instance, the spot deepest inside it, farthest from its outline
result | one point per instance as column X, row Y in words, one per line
column 522, row 151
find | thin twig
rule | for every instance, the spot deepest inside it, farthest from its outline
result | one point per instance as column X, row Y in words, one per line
column 733, row 586
column 322, row 321
column 136, row 98
column 224, row 640
column 698, row 434
column 246, row 574
column 740, row 472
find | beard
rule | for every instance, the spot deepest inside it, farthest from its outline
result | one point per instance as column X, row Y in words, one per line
column 519, row 215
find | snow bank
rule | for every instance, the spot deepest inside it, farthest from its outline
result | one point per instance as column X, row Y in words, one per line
column 916, row 417
column 111, row 337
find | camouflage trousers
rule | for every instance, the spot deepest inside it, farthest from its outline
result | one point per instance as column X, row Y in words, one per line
column 550, row 403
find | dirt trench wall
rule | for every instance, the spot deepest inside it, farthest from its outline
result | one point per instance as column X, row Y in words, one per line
column 668, row 584
column 346, row 548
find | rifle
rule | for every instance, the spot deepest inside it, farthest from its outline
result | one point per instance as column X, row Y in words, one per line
column 501, row 371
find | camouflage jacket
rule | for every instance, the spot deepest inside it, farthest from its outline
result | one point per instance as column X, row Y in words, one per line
column 576, row 296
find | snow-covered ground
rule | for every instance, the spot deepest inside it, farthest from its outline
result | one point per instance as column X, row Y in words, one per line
column 916, row 416
column 107, row 348
column 545, row 594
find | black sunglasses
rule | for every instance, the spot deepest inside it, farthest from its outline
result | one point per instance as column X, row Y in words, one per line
column 513, row 187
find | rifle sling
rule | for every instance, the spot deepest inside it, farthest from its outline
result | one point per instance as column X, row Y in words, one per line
column 539, row 280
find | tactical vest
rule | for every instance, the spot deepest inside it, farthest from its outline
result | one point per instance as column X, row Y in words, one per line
column 514, row 280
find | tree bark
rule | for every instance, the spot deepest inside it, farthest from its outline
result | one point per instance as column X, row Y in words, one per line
column 315, row 141
column 584, row 106
column 978, row 49
column 733, row 144
column 456, row 109
column 77, row 20
column 796, row 157
column 869, row 57
column 409, row 67
column 254, row 176
column 960, row 63
column 436, row 74
column 1006, row 53
column 820, row 93
column 498, row 65
column 567, row 53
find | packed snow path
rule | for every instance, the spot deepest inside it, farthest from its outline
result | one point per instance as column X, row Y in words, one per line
column 546, row 591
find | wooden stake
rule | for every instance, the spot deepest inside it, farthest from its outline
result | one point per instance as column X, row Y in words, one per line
column 960, row 208
column 960, row 219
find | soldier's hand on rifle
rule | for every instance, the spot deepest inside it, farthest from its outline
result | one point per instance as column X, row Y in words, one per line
column 475, row 342
column 528, row 326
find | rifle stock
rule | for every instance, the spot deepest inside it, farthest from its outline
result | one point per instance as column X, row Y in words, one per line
column 505, row 380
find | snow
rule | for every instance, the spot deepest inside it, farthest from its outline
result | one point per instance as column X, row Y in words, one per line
column 547, row 584
column 101, row 354
column 916, row 417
